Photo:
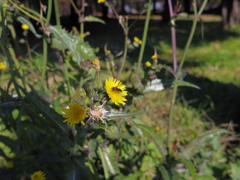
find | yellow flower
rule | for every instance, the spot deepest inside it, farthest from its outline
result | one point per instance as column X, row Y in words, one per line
column 116, row 91
column 25, row 27
column 170, row 51
column 10, row 164
column 68, row 53
column 148, row 64
column 108, row 51
column 2, row 66
column 80, row 35
column 157, row 128
column 38, row 175
column 101, row 1
column 137, row 40
column 74, row 28
column 155, row 56
column 75, row 114
column 96, row 64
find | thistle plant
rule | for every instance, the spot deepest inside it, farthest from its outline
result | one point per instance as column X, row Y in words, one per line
column 99, row 96
column 76, row 118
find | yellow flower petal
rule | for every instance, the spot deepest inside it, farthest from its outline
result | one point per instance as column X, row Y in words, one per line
column 155, row 56
column 38, row 175
column 2, row 66
column 74, row 115
column 148, row 64
column 116, row 91
column 137, row 40
column 101, row 1
column 25, row 27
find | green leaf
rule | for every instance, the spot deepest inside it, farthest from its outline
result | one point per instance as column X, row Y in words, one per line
column 23, row 20
column 164, row 172
column 64, row 40
column 7, row 141
column 201, row 141
column 94, row 19
column 106, row 168
column 156, row 139
column 133, row 176
column 107, row 156
column 235, row 171
column 45, row 110
column 189, row 165
column 188, row 84
column 205, row 177
column 116, row 114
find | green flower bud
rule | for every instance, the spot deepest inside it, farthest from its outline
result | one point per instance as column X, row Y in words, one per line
column 89, row 90
column 112, row 132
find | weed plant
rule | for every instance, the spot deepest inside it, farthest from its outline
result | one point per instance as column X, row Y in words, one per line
column 68, row 113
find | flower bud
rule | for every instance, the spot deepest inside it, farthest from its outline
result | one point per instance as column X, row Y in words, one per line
column 112, row 132
column 89, row 90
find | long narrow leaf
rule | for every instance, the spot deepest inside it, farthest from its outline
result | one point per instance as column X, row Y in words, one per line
column 104, row 163
column 164, row 172
column 23, row 20
column 156, row 139
column 47, row 112
column 201, row 141
column 189, row 165
column 116, row 115
column 7, row 141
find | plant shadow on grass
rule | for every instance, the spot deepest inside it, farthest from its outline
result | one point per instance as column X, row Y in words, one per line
column 220, row 101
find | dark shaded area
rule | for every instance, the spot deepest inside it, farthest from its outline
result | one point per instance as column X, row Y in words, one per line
column 221, row 101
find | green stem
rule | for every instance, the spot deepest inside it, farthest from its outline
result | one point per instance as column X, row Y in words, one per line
column 124, row 54
column 175, row 84
column 82, row 30
column 28, row 49
column 25, row 12
column 66, row 77
column 80, row 16
column 56, row 8
column 45, row 47
column 49, row 12
column 145, row 31
column 44, row 66
column 6, row 50
column 82, row 20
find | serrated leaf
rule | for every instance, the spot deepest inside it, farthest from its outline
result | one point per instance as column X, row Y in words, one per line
column 188, row 84
column 116, row 114
column 64, row 40
column 201, row 141
column 189, row 165
column 156, row 139
column 94, row 19
column 23, row 20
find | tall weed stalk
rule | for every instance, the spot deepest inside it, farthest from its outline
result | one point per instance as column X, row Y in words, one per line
column 179, row 70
